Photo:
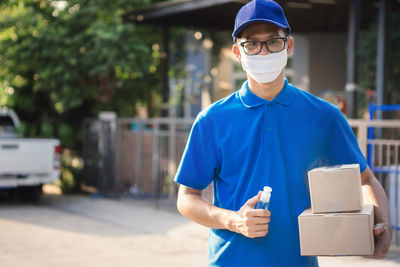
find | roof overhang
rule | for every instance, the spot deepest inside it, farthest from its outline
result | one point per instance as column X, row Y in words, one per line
column 213, row 14
column 303, row 15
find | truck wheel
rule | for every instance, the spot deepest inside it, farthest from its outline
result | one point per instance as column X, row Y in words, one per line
column 31, row 193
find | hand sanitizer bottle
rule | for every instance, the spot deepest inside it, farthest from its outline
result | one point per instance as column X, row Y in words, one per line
column 263, row 203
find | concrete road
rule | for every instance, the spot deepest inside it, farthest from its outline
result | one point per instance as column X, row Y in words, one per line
column 84, row 231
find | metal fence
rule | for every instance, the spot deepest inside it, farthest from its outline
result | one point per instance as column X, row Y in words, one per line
column 384, row 160
column 140, row 157
column 135, row 157
column 148, row 154
column 99, row 155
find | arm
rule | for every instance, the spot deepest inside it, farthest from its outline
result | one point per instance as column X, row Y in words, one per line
column 382, row 228
column 247, row 221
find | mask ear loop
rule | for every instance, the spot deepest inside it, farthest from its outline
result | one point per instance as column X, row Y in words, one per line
column 241, row 48
column 286, row 43
column 242, row 55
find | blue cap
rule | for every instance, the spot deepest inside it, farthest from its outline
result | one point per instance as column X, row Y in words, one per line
column 259, row 10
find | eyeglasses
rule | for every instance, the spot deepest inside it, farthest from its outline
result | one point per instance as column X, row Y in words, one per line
column 273, row 45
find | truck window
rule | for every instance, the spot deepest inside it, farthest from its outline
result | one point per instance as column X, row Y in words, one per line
column 6, row 124
column 6, row 121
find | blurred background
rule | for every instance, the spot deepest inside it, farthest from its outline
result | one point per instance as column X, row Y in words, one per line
column 114, row 86
column 63, row 62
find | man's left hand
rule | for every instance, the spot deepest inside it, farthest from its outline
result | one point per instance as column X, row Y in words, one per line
column 383, row 236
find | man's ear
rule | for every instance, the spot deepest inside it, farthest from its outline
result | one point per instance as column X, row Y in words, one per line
column 290, row 45
column 236, row 52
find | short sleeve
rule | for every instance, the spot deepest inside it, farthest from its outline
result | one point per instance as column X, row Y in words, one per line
column 343, row 146
column 199, row 161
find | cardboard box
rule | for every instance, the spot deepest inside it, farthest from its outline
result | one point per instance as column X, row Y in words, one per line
column 335, row 189
column 337, row 234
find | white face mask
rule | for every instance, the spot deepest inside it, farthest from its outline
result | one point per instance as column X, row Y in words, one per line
column 264, row 68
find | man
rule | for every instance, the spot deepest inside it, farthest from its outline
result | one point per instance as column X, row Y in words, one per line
column 267, row 133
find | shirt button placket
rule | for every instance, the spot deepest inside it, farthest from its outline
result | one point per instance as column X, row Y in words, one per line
column 269, row 126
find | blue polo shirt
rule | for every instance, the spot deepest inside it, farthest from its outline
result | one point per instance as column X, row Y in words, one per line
column 243, row 143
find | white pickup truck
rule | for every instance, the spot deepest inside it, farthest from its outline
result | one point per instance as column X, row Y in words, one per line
column 26, row 163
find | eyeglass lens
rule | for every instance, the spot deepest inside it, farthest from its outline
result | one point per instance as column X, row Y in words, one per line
column 273, row 45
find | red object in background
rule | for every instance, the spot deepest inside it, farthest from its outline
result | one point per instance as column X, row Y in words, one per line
column 342, row 104
column 57, row 157
column 335, row 99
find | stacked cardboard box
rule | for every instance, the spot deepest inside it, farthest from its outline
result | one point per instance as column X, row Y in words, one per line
column 338, row 223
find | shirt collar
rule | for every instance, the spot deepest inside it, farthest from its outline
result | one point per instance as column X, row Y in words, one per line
column 250, row 100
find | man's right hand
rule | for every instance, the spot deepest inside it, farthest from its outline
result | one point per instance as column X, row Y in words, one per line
column 251, row 222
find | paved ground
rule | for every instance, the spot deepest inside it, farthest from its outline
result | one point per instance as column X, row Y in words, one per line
column 84, row 231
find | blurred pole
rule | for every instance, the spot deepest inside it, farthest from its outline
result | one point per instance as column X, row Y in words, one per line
column 382, row 51
column 164, row 72
column 352, row 77
column 381, row 60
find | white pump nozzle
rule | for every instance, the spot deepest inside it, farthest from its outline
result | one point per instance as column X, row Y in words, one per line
column 266, row 194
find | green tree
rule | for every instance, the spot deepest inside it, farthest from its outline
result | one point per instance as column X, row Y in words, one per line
column 367, row 55
column 62, row 61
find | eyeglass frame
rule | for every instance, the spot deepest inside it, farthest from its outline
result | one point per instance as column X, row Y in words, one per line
column 266, row 46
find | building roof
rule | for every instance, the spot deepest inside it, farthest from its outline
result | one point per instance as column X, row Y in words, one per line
column 303, row 15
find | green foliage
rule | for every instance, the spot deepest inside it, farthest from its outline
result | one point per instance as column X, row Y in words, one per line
column 65, row 60
column 71, row 172
column 367, row 54
column 62, row 61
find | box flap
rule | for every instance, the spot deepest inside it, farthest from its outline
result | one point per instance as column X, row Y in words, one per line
column 350, row 166
column 335, row 168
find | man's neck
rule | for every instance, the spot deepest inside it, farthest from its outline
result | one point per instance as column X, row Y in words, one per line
column 267, row 91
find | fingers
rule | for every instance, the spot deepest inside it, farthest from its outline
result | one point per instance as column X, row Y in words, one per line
column 260, row 227
column 253, row 201
column 258, row 221
column 378, row 229
column 257, row 231
column 380, row 254
column 257, row 213
column 383, row 236
column 381, row 250
column 252, row 222
column 253, row 217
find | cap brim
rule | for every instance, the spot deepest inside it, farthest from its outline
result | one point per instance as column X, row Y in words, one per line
column 237, row 32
